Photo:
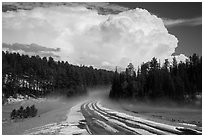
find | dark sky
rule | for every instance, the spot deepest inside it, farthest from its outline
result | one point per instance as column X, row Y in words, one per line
column 190, row 37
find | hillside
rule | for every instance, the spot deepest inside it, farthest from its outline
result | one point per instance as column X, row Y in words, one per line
column 36, row 76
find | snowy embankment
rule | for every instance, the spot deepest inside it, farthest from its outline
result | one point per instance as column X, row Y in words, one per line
column 18, row 98
column 21, row 98
column 73, row 125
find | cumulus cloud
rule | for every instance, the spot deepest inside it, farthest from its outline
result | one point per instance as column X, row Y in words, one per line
column 183, row 22
column 179, row 58
column 102, row 7
column 32, row 49
column 86, row 37
column 28, row 48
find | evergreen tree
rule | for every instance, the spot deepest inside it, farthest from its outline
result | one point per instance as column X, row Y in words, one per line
column 20, row 112
column 35, row 76
column 27, row 112
column 13, row 114
column 174, row 81
column 33, row 111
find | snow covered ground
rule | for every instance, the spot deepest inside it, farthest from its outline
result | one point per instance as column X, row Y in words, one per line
column 51, row 110
column 73, row 125
column 146, row 114
column 63, row 116
column 18, row 98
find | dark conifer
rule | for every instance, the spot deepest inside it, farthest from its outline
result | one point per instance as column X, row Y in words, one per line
column 13, row 114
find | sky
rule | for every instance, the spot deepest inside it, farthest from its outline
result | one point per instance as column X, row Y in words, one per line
column 104, row 35
column 190, row 36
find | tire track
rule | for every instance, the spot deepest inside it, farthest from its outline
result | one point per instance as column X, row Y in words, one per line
column 93, row 115
column 118, row 125
column 136, row 124
column 119, row 122
column 160, row 126
column 126, row 124
column 93, row 127
column 101, row 120
column 169, row 129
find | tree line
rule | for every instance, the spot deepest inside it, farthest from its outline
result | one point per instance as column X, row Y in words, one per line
column 36, row 76
column 24, row 113
column 176, row 81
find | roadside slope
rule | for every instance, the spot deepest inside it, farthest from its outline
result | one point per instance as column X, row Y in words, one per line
column 52, row 110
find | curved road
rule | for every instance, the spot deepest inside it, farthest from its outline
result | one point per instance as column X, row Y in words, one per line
column 92, row 118
column 101, row 120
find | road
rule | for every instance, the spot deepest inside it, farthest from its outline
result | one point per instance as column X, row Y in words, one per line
column 90, row 117
column 101, row 120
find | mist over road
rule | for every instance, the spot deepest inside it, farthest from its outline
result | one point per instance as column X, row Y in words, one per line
column 91, row 117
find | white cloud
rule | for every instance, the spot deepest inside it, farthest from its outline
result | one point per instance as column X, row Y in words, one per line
column 183, row 22
column 179, row 58
column 85, row 37
column 102, row 7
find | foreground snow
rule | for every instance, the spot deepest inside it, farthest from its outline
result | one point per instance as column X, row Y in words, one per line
column 109, row 121
column 73, row 125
